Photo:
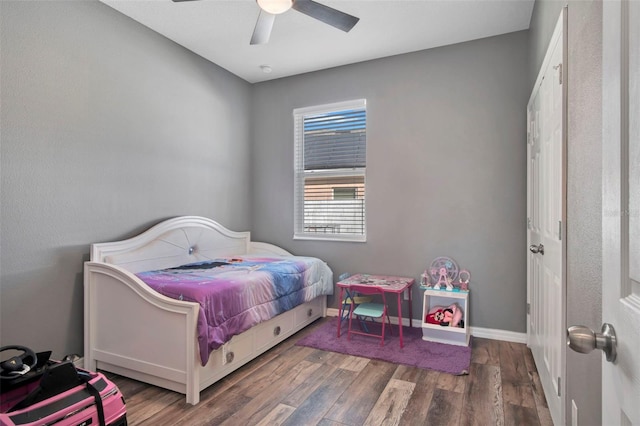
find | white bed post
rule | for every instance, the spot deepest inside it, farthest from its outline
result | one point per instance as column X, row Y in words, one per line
column 193, row 358
column 89, row 362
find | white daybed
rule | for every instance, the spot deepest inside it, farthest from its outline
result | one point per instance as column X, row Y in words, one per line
column 134, row 331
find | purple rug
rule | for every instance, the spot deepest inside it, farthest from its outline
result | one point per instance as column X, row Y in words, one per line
column 416, row 352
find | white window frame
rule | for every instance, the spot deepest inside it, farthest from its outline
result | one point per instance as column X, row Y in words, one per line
column 300, row 173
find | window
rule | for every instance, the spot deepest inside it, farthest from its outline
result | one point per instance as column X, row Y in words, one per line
column 330, row 163
column 344, row 193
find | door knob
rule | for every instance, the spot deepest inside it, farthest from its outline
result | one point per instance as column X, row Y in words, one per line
column 582, row 339
column 536, row 248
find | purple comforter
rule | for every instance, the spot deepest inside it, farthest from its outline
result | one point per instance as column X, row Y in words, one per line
column 237, row 293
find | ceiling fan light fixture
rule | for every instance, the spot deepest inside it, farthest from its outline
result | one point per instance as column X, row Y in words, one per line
column 275, row 7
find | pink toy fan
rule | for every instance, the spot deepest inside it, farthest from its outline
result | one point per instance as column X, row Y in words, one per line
column 443, row 271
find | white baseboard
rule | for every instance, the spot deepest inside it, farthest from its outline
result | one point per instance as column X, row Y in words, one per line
column 495, row 334
column 485, row 333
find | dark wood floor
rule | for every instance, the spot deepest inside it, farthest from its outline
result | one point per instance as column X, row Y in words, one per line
column 293, row 385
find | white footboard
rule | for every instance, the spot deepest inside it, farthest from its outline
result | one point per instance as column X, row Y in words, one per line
column 130, row 327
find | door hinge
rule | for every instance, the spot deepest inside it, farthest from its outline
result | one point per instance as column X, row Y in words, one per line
column 528, row 223
column 528, row 308
column 559, row 382
column 559, row 68
column 560, row 230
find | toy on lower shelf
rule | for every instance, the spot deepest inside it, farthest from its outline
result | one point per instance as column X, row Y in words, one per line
column 450, row 316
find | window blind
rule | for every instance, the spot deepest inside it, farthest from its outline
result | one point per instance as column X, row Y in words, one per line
column 335, row 140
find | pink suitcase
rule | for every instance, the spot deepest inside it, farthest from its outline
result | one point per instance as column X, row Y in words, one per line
column 52, row 392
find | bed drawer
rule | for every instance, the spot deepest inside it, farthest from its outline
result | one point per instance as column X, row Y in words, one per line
column 308, row 312
column 274, row 330
column 237, row 350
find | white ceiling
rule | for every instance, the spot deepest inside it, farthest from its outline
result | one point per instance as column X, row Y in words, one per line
column 220, row 30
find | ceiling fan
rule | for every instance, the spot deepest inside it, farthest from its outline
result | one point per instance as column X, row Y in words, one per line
column 270, row 8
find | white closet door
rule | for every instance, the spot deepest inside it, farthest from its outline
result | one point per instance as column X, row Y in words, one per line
column 546, row 252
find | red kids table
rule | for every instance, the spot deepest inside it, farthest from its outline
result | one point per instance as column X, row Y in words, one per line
column 388, row 284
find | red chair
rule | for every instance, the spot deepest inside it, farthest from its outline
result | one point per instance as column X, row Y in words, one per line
column 351, row 299
column 369, row 310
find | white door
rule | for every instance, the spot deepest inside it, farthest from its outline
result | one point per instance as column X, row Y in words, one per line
column 545, row 194
column 621, row 209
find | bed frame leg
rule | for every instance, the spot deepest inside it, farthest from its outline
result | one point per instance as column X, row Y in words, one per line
column 193, row 397
column 90, row 364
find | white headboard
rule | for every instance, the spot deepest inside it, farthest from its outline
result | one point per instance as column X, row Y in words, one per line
column 174, row 242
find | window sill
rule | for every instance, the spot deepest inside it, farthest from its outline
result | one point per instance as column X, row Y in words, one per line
column 344, row 239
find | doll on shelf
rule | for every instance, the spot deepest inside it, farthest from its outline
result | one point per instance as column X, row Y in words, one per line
column 450, row 316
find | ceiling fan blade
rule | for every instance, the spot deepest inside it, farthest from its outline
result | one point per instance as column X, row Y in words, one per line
column 262, row 31
column 326, row 14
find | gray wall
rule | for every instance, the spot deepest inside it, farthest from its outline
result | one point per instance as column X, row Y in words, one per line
column 446, row 161
column 584, row 176
column 107, row 128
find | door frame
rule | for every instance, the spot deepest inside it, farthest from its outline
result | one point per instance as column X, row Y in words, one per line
column 620, row 285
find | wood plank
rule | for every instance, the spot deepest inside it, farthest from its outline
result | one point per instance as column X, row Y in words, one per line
column 452, row 383
column 301, row 393
column 529, row 361
column 261, row 404
column 354, row 363
column 485, row 351
column 219, row 387
column 257, row 383
column 212, row 411
column 128, row 387
column 408, row 373
column 148, row 402
column 544, row 415
column 483, row 397
column 516, row 415
column 294, row 355
column 327, row 422
column 516, row 379
column 415, row 413
column 445, row 408
column 325, row 357
column 513, row 366
column 262, row 378
column 518, row 394
column 316, row 406
column 538, row 393
column 355, row 404
column 390, row 406
column 277, row 416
